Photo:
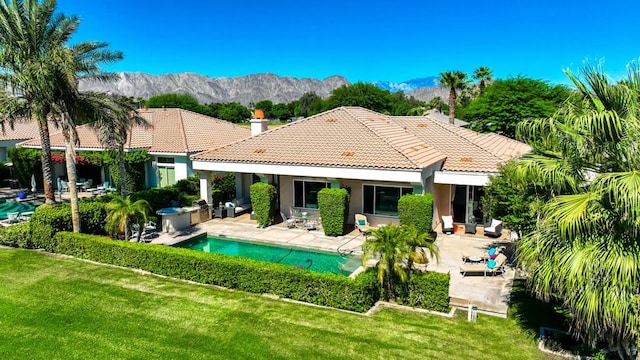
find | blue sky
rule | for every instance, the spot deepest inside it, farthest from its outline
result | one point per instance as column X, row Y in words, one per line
column 362, row 40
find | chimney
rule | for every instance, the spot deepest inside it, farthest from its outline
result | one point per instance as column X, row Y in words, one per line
column 258, row 124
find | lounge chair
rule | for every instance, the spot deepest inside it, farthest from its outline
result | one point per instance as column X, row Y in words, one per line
column 447, row 224
column 288, row 222
column 362, row 224
column 493, row 228
column 491, row 267
column 13, row 217
column 491, row 254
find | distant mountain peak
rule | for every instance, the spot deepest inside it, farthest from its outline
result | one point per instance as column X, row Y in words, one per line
column 407, row 86
column 243, row 89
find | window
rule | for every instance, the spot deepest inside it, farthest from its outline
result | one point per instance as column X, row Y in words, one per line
column 165, row 160
column 305, row 193
column 383, row 200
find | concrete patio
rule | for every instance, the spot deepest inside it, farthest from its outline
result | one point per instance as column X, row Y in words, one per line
column 490, row 293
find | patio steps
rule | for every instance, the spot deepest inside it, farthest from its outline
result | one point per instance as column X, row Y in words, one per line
column 499, row 310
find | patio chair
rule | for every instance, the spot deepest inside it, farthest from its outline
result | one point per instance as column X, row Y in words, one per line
column 491, row 267
column 447, row 224
column 362, row 224
column 493, row 228
column 150, row 226
column 491, row 254
column 288, row 222
column 310, row 224
column 65, row 186
column 13, row 217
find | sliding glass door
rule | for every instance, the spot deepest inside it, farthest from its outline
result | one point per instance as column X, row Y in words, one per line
column 466, row 203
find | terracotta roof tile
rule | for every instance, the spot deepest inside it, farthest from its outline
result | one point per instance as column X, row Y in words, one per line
column 356, row 137
column 172, row 131
column 23, row 130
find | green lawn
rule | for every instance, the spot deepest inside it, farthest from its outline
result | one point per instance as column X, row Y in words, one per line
column 54, row 308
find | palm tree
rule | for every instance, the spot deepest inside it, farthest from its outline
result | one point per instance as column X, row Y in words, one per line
column 115, row 125
column 387, row 244
column 455, row 81
column 483, row 74
column 586, row 250
column 418, row 245
column 29, row 31
column 122, row 214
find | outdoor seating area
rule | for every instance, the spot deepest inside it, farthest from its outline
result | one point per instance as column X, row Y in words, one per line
column 490, row 263
column 149, row 233
column 300, row 219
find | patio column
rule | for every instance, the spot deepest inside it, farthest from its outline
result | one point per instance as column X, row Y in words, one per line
column 205, row 186
column 239, row 182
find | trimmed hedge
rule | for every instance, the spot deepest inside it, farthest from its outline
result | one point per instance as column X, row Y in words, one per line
column 264, row 202
column 427, row 290
column 334, row 210
column 231, row 272
column 416, row 210
column 17, row 236
column 50, row 219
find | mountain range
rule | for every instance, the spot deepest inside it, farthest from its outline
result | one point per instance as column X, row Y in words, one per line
column 409, row 85
column 246, row 89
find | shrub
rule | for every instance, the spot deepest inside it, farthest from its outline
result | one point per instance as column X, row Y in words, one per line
column 16, row 236
column 231, row 272
column 416, row 210
column 26, row 162
column 334, row 210
column 223, row 187
column 427, row 290
column 157, row 198
column 49, row 219
column 189, row 186
column 263, row 201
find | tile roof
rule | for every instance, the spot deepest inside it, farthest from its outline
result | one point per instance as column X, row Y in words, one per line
column 172, row 131
column 356, row 137
column 23, row 130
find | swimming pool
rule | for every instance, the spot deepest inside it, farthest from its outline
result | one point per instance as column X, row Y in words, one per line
column 11, row 206
column 306, row 259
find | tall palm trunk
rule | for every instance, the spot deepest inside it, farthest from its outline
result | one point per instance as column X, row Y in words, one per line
column 123, row 173
column 47, row 165
column 452, row 106
column 69, row 153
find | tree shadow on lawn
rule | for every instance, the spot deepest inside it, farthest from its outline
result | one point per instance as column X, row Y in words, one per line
column 531, row 313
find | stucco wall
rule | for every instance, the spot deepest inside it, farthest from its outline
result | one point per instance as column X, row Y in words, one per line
column 441, row 202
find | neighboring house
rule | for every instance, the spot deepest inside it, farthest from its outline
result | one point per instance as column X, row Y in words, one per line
column 437, row 115
column 21, row 131
column 174, row 135
column 378, row 157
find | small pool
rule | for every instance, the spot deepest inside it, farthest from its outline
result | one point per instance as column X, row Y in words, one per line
column 11, row 206
column 317, row 261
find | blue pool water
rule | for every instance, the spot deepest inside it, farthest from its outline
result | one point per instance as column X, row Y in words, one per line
column 316, row 261
column 11, row 206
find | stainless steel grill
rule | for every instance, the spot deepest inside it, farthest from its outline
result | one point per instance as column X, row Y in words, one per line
column 201, row 213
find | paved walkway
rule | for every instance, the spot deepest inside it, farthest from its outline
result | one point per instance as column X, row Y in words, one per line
column 489, row 293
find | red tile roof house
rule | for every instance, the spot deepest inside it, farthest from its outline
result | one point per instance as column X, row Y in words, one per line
column 21, row 131
column 379, row 157
column 174, row 136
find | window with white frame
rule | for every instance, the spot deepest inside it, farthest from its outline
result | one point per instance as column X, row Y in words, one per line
column 382, row 200
column 305, row 193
